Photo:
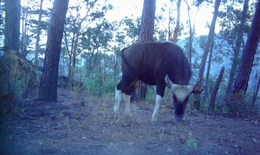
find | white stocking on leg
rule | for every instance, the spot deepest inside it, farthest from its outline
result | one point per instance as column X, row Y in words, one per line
column 128, row 109
column 156, row 109
column 118, row 97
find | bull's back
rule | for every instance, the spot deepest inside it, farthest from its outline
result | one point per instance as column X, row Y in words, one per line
column 146, row 59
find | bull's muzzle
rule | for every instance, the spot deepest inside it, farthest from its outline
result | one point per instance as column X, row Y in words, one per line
column 178, row 117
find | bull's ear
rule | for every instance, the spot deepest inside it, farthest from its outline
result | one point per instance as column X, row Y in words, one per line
column 168, row 81
column 197, row 89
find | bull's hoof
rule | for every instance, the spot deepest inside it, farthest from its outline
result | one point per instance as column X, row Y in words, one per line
column 179, row 118
column 116, row 118
column 127, row 124
column 153, row 123
column 129, row 121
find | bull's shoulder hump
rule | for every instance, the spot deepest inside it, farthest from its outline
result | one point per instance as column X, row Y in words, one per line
column 135, row 48
column 172, row 45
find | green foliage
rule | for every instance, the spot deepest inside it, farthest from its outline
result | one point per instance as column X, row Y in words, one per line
column 98, row 74
column 97, row 37
column 238, row 104
column 99, row 84
column 191, row 143
column 151, row 92
column 230, row 21
column 131, row 28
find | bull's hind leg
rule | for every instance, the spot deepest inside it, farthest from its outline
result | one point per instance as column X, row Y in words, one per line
column 120, row 92
column 128, row 110
column 127, row 105
column 118, row 97
column 125, row 89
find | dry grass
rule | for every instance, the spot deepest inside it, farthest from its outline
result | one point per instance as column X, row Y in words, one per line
column 71, row 127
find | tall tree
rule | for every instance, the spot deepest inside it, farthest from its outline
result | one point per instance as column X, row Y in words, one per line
column 76, row 32
column 206, row 89
column 215, row 91
column 207, row 47
column 177, row 27
column 12, row 24
column 24, row 27
column 238, row 43
column 38, row 35
column 34, row 22
column 147, row 21
column 191, row 30
column 249, row 51
column 72, row 64
column 48, row 84
column 256, row 91
column 145, row 35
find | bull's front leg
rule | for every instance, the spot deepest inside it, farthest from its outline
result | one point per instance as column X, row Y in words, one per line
column 156, row 109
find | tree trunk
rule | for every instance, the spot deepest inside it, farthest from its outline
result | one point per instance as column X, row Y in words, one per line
column 239, row 41
column 206, row 90
column 38, row 35
column 176, row 30
column 145, row 35
column 74, row 53
column 246, row 63
column 215, row 91
column 169, row 25
column 12, row 24
column 207, row 48
column 69, row 51
column 24, row 24
column 48, row 84
column 255, row 92
column 191, row 31
column 190, row 35
column 147, row 22
column 72, row 64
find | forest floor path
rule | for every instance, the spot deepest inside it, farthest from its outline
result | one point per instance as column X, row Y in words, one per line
column 80, row 124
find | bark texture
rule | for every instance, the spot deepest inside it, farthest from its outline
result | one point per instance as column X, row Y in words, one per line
column 12, row 24
column 145, row 35
column 246, row 63
column 48, row 84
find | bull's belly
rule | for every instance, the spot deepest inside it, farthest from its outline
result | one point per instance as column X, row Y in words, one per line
column 148, row 80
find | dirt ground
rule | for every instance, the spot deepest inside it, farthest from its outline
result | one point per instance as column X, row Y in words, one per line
column 85, row 125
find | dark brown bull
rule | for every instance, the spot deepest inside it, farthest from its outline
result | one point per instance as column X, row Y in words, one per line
column 156, row 64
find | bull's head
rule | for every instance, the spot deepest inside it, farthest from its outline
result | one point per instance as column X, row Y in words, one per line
column 181, row 96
